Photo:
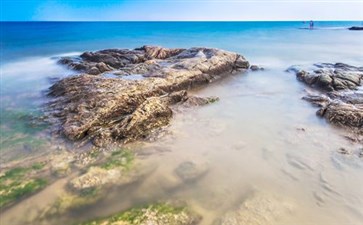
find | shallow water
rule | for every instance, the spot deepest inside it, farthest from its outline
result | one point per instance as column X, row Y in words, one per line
column 259, row 138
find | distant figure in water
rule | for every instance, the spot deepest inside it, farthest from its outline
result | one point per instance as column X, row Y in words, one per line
column 311, row 24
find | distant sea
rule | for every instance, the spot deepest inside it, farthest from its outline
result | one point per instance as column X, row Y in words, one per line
column 262, row 39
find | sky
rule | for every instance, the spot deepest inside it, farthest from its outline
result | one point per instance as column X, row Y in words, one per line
column 180, row 10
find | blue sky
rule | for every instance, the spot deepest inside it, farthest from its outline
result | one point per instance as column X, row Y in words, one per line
column 156, row 10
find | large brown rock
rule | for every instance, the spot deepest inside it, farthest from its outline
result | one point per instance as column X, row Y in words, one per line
column 123, row 106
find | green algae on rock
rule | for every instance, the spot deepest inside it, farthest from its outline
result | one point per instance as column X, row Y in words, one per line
column 118, row 169
column 70, row 200
column 160, row 213
column 17, row 183
column 121, row 158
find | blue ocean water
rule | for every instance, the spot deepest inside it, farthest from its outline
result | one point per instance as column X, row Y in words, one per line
column 28, row 39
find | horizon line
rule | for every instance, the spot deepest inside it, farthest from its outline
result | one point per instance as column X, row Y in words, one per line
column 302, row 20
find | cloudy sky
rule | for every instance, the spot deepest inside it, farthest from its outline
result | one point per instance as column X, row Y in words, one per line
column 171, row 10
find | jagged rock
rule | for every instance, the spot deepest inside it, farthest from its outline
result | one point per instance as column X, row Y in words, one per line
column 110, row 59
column 340, row 110
column 117, row 108
column 340, row 102
column 343, row 114
column 152, row 113
column 331, row 77
column 318, row 100
column 347, row 97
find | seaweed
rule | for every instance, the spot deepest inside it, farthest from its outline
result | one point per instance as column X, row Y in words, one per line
column 38, row 165
column 15, row 184
column 138, row 215
column 122, row 158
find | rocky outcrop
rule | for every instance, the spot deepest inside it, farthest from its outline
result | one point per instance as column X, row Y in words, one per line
column 355, row 28
column 331, row 77
column 338, row 110
column 111, row 59
column 340, row 101
column 115, row 106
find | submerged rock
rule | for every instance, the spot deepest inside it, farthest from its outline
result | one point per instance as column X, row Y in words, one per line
column 105, row 109
column 256, row 68
column 260, row 209
column 116, row 171
column 340, row 102
column 160, row 213
column 119, row 169
column 199, row 101
column 20, row 182
column 190, row 171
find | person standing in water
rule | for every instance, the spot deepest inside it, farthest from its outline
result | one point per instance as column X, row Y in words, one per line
column 311, row 24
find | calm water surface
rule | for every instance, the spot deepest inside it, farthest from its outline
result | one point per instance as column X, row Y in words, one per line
column 259, row 138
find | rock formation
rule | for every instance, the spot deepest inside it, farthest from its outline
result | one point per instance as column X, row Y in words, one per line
column 124, row 94
column 355, row 28
column 340, row 101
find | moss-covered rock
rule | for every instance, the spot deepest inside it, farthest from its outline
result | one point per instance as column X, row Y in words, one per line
column 160, row 213
column 116, row 169
column 122, row 159
column 18, row 182
column 69, row 201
